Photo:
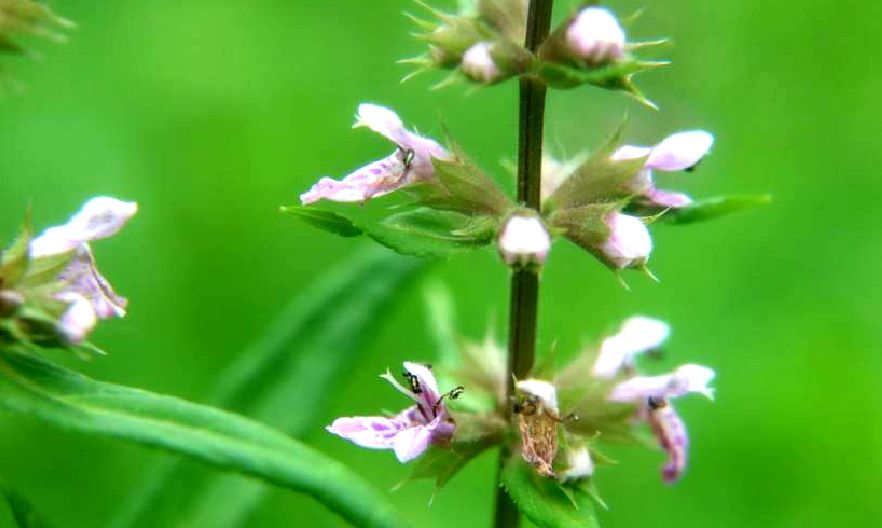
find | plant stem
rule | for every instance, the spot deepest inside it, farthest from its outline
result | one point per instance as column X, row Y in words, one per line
column 523, row 303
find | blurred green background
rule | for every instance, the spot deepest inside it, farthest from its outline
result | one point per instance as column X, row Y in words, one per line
column 212, row 113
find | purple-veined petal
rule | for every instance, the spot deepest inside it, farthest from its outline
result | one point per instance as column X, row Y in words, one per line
column 636, row 335
column 100, row 217
column 412, row 442
column 375, row 432
column 687, row 378
column 680, row 151
column 373, row 180
column 82, row 278
column 671, row 433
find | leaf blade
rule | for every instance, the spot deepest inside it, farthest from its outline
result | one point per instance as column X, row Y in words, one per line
column 544, row 501
column 34, row 387
column 712, row 208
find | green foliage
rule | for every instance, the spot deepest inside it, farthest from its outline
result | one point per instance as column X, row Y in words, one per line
column 711, row 208
column 34, row 387
column 432, row 234
column 443, row 463
column 14, row 260
column 328, row 327
column 23, row 511
column 327, row 220
column 546, row 502
column 463, row 187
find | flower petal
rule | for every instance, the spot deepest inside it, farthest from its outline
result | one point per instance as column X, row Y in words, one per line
column 667, row 199
column 596, row 36
column 635, row 336
column 671, row 433
column 78, row 320
column 680, row 151
column 579, row 464
column 686, row 379
column 373, row 180
column 524, row 240
column 629, row 243
column 82, row 278
column 100, row 217
column 412, row 442
column 374, row 432
column 543, row 390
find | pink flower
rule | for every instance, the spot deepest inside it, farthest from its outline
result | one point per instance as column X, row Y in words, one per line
column 595, row 36
column 410, row 432
column 685, row 379
column 677, row 152
column 89, row 295
column 478, row 64
column 636, row 335
column 524, row 240
column 628, row 244
column 411, row 162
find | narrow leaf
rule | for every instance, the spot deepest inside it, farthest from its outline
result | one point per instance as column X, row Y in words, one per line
column 546, row 502
column 14, row 260
column 285, row 379
column 23, row 511
column 34, row 387
column 711, row 208
column 327, row 220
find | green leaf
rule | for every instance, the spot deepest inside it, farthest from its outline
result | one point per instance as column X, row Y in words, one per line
column 546, row 502
column 23, row 512
column 463, row 187
column 431, row 233
column 599, row 179
column 711, row 208
column 327, row 220
column 285, row 379
column 442, row 463
column 34, row 387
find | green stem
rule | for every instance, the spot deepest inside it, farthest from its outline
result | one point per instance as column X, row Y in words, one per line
column 523, row 303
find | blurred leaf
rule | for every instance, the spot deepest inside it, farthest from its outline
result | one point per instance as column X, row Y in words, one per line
column 34, row 387
column 327, row 220
column 23, row 512
column 546, row 502
column 431, row 233
column 14, row 260
column 711, row 208
column 327, row 326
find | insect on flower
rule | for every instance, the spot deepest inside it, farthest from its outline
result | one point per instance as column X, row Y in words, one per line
column 538, row 418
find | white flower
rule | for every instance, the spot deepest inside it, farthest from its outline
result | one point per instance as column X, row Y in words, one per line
column 685, row 379
column 677, row 152
column 411, row 162
column 636, row 335
column 543, row 390
column 88, row 294
column 595, row 36
column 628, row 244
column 524, row 240
column 478, row 63
column 579, row 464
column 100, row 217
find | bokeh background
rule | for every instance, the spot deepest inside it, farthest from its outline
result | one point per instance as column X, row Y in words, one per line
column 212, row 113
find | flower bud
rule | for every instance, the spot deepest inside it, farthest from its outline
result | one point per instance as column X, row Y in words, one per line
column 478, row 64
column 595, row 36
column 628, row 244
column 524, row 240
